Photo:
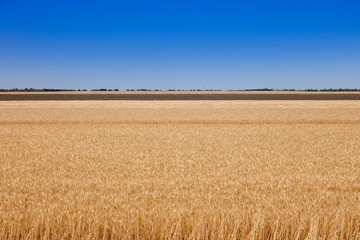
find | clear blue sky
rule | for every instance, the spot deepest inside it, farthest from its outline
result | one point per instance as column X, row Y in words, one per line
column 180, row 44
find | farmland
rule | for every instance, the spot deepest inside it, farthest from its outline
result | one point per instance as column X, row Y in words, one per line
column 179, row 169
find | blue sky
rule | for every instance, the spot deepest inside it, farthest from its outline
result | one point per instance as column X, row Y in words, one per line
column 180, row 44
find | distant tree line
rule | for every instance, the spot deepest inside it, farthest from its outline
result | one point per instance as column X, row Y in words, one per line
column 256, row 89
column 334, row 90
column 36, row 90
column 178, row 90
column 105, row 90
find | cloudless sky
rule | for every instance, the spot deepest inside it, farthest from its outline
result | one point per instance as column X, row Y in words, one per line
column 180, row 44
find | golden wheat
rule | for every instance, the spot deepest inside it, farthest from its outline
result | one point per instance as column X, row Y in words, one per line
column 180, row 170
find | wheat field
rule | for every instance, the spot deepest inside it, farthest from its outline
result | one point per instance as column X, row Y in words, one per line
column 180, row 170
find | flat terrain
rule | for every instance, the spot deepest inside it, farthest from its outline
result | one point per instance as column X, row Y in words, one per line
column 179, row 169
column 15, row 96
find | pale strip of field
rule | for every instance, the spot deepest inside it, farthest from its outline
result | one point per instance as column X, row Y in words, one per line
column 191, row 104
column 194, row 169
column 177, row 111
column 181, row 92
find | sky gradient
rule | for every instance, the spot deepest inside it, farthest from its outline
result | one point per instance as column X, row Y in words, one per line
column 180, row 44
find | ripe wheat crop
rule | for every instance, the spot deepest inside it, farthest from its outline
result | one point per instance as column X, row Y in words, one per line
column 180, row 170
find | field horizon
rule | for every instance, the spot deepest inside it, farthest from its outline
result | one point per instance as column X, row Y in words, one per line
column 177, row 95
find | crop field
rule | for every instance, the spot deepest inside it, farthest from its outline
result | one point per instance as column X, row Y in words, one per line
column 180, row 169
